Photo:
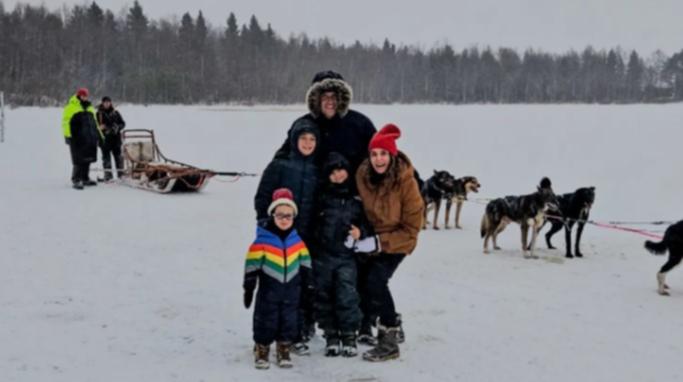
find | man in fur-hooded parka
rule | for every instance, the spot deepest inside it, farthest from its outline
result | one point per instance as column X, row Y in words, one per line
column 348, row 132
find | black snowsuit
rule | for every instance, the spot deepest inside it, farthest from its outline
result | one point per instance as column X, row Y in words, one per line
column 112, row 123
column 337, row 308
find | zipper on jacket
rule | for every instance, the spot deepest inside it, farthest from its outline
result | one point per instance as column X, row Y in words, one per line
column 284, row 250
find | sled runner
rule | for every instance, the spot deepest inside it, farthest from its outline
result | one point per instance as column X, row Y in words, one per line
column 146, row 167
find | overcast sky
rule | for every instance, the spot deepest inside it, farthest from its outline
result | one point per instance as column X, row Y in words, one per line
column 552, row 25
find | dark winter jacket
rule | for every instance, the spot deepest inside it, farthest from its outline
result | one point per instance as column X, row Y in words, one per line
column 80, row 126
column 110, row 120
column 297, row 173
column 339, row 209
column 348, row 132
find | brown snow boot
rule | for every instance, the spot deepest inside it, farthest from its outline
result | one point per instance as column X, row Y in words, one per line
column 261, row 360
column 283, row 358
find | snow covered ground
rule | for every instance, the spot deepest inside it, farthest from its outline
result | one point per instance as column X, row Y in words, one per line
column 118, row 284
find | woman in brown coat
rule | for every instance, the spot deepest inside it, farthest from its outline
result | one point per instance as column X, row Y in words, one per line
column 393, row 204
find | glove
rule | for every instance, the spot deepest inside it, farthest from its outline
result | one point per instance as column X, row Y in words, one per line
column 249, row 286
column 368, row 245
column 350, row 242
column 67, row 140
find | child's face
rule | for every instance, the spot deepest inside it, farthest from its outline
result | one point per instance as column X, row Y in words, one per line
column 306, row 144
column 339, row 176
column 380, row 160
column 284, row 217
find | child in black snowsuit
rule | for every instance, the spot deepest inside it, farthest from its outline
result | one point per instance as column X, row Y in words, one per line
column 341, row 226
column 299, row 173
column 279, row 262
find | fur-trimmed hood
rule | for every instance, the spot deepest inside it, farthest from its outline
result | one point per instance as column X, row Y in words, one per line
column 340, row 87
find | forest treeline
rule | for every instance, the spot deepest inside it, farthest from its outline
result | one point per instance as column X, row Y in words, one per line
column 46, row 54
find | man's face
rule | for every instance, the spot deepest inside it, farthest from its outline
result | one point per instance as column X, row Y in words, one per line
column 107, row 104
column 328, row 104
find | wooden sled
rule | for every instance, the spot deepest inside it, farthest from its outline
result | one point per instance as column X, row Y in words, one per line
column 145, row 167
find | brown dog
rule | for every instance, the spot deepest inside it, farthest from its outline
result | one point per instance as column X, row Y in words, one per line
column 462, row 187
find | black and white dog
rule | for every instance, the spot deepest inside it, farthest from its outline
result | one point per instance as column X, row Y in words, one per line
column 672, row 242
column 527, row 210
column 573, row 208
column 437, row 188
column 463, row 186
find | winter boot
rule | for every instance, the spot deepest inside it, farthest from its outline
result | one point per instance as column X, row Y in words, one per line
column 283, row 359
column 108, row 175
column 661, row 284
column 89, row 182
column 387, row 345
column 78, row 185
column 348, row 345
column 401, row 336
column 261, row 360
column 333, row 345
column 300, row 348
column 365, row 336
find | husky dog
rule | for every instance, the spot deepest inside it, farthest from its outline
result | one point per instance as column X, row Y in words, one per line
column 527, row 210
column 434, row 190
column 463, row 186
column 672, row 242
column 572, row 207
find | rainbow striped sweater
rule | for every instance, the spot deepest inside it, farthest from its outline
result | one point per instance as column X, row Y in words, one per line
column 281, row 260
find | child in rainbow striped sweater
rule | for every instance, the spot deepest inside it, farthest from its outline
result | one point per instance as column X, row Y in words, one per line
column 279, row 261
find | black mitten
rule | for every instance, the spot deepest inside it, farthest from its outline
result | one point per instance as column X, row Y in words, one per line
column 249, row 287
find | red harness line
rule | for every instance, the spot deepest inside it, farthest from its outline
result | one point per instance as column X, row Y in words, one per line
column 613, row 226
column 627, row 229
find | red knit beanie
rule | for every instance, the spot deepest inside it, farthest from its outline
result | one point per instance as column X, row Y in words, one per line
column 386, row 138
column 282, row 196
column 82, row 92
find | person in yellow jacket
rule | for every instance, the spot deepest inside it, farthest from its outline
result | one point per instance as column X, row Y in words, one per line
column 82, row 135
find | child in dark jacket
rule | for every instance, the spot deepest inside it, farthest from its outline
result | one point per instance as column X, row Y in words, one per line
column 279, row 262
column 299, row 173
column 341, row 227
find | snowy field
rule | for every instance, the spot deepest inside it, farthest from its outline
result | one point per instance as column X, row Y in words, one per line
column 118, row 284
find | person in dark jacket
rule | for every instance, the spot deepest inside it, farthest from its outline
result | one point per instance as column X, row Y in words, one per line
column 111, row 123
column 279, row 262
column 299, row 173
column 341, row 129
column 341, row 223
column 79, row 126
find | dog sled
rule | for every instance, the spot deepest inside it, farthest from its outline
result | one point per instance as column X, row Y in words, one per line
column 146, row 167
